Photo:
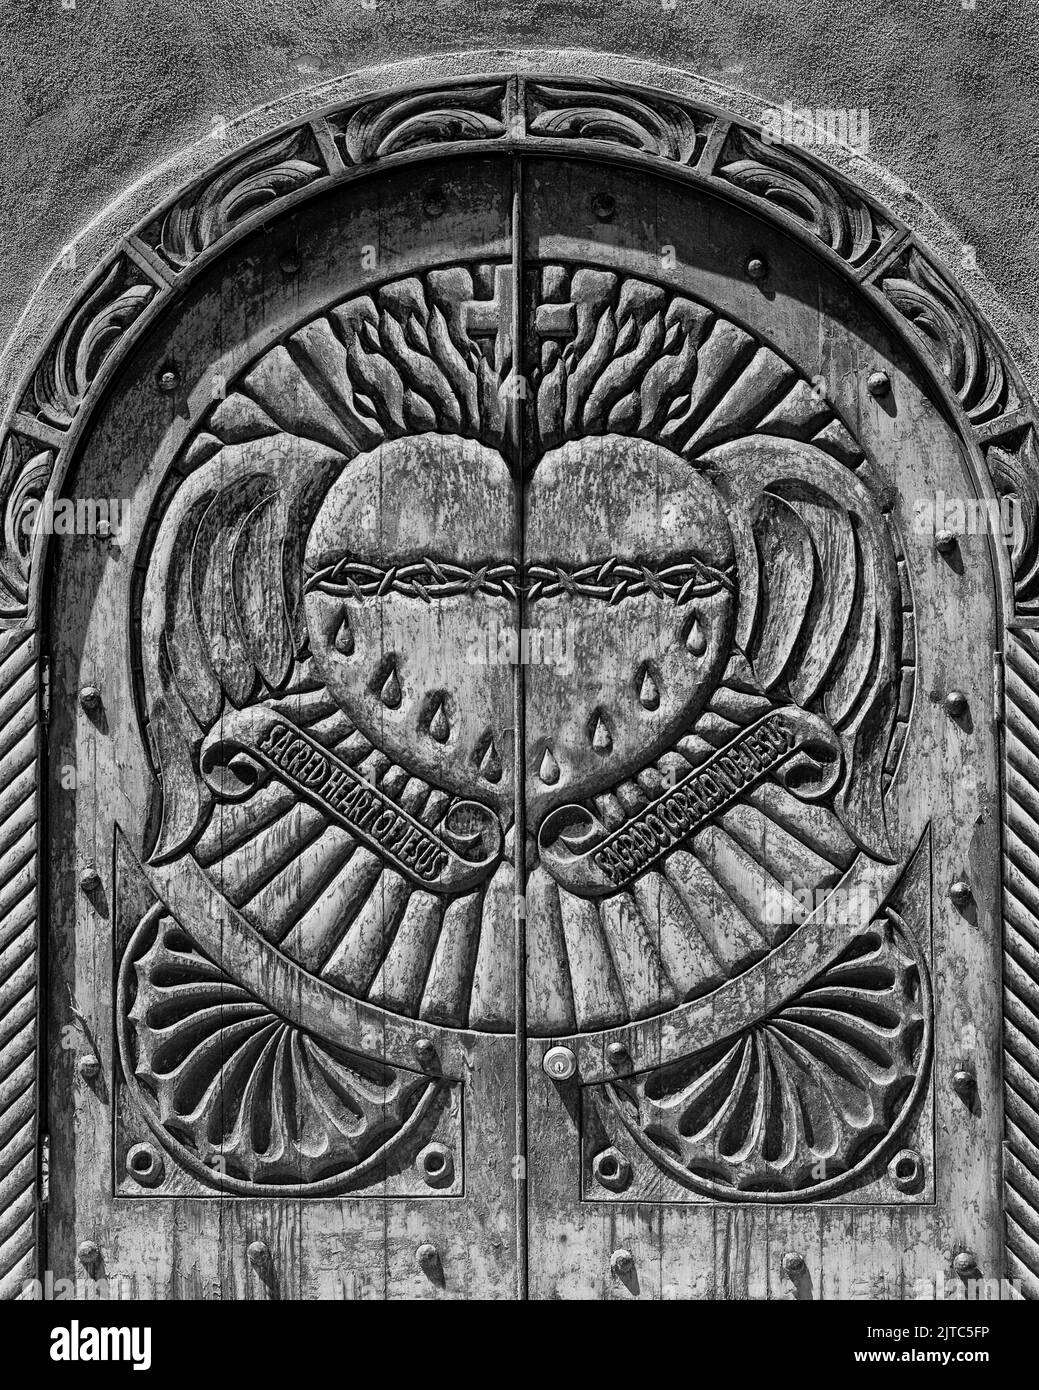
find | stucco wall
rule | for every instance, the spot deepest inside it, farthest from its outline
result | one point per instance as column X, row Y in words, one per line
column 96, row 96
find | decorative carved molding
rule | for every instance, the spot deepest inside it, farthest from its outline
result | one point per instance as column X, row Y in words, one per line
column 959, row 342
column 1021, row 960
column 91, row 335
column 1013, row 462
column 261, row 178
column 848, row 225
column 243, row 1099
column 401, row 125
column 667, row 129
column 806, row 197
column 18, row 957
column 806, row 1102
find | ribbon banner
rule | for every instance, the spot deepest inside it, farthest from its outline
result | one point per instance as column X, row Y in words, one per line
column 592, row 862
column 248, row 745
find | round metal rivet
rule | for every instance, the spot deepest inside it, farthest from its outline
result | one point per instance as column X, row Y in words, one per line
column 436, row 1163
column 956, row 703
column 944, row 541
column 168, row 381
column 964, row 1082
column 90, row 880
column 966, row 1262
column 88, row 1253
column 906, row 1170
column 144, row 1164
column 617, row 1054
column 559, row 1063
column 878, row 383
column 612, row 1170
column 427, row 1257
column 757, row 268
column 433, row 202
column 622, row 1262
column 793, row 1264
column 959, row 892
column 258, row 1253
column 425, row 1051
column 604, row 206
column 290, row 262
column 88, row 1066
column 90, row 698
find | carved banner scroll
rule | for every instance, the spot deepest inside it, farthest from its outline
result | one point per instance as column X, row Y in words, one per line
column 428, row 858
column 614, row 860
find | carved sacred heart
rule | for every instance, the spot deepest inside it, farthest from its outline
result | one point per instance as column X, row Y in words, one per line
column 414, row 597
column 706, row 613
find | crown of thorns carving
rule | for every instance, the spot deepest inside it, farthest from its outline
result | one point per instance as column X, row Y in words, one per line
column 610, row 580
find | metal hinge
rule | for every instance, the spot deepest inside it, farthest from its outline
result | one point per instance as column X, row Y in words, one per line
column 43, row 1176
column 998, row 688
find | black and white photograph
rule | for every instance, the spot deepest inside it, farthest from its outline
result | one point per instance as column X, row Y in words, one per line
column 519, row 669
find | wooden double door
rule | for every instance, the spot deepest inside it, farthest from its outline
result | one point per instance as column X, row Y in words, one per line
column 502, row 793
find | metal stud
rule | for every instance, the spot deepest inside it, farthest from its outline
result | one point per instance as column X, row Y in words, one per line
column 604, row 205
column 964, row 1082
column 258, row 1254
column 956, row 703
column 436, row 1163
column 959, row 892
column 965, row 1263
column 425, row 1051
column 757, row 268
column 622, row 1262
column 559, row 1063
column 90, row 879
column 428, row 1259
column 944, row 542
column 612, row 1170
column 433, row 201
column 878, row 384
column 906, row 1170
column 144, row 1164
column 88, row 1253
column 168, row 381
column 88, row 1066
column 617, row 1055
column 90, row 698
column 793, row 1265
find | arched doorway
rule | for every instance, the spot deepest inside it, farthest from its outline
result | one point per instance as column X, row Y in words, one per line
column 540, row 813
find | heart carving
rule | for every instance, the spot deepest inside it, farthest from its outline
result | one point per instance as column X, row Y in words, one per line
column 413, row 610
column 646, row 621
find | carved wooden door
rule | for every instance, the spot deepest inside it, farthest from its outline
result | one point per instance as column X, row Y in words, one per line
column 542, row 503
column 300, row 777
column 771, row 757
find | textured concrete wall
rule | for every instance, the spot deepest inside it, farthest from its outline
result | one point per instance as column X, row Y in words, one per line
column 96, row 96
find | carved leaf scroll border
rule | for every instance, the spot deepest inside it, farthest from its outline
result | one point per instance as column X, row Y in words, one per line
column 545, row 115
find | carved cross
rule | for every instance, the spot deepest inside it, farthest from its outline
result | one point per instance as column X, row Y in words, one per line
column 490, row 320
column 556, row 321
